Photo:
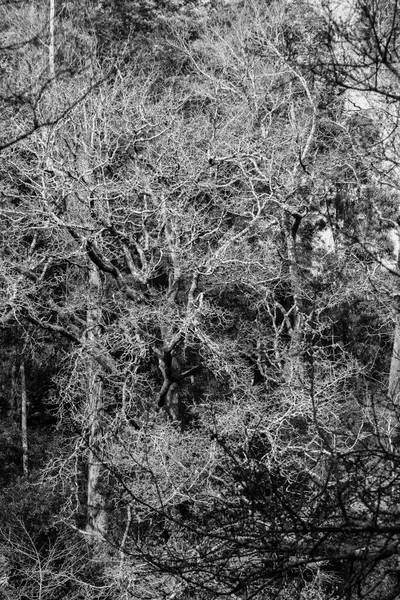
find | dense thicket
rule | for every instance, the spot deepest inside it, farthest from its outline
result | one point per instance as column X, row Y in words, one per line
column 199, row 311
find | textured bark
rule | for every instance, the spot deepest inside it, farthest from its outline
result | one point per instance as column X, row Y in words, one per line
column 293, row 369
column 168, row 396
column 96, row 520
column 96, row 523
column 394, row 375
column 24, row 423
column 51, row 43
column 96, row 514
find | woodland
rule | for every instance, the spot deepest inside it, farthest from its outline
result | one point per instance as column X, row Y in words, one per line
column 199, row 300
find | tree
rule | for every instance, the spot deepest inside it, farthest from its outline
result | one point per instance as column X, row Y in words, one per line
column 30, row 69
column 361, row 58
column 207, row 248
column 290, row 500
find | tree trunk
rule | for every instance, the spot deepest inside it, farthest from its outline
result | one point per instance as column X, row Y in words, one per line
column 13, row 407
column 394, row 375
column 24, row 426
column 293, row 371
column 96, row 523
column 51, row 42
column 96, row 519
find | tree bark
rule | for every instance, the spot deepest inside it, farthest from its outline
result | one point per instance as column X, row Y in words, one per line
column 96, row 518
column 51, row 43
column 293, row 369
column 96, row 523
column 394, row 374
column 24, row 423
column 13, row 407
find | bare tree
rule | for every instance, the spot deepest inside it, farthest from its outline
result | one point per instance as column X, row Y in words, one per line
column 233, row 439
column 29, row 73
